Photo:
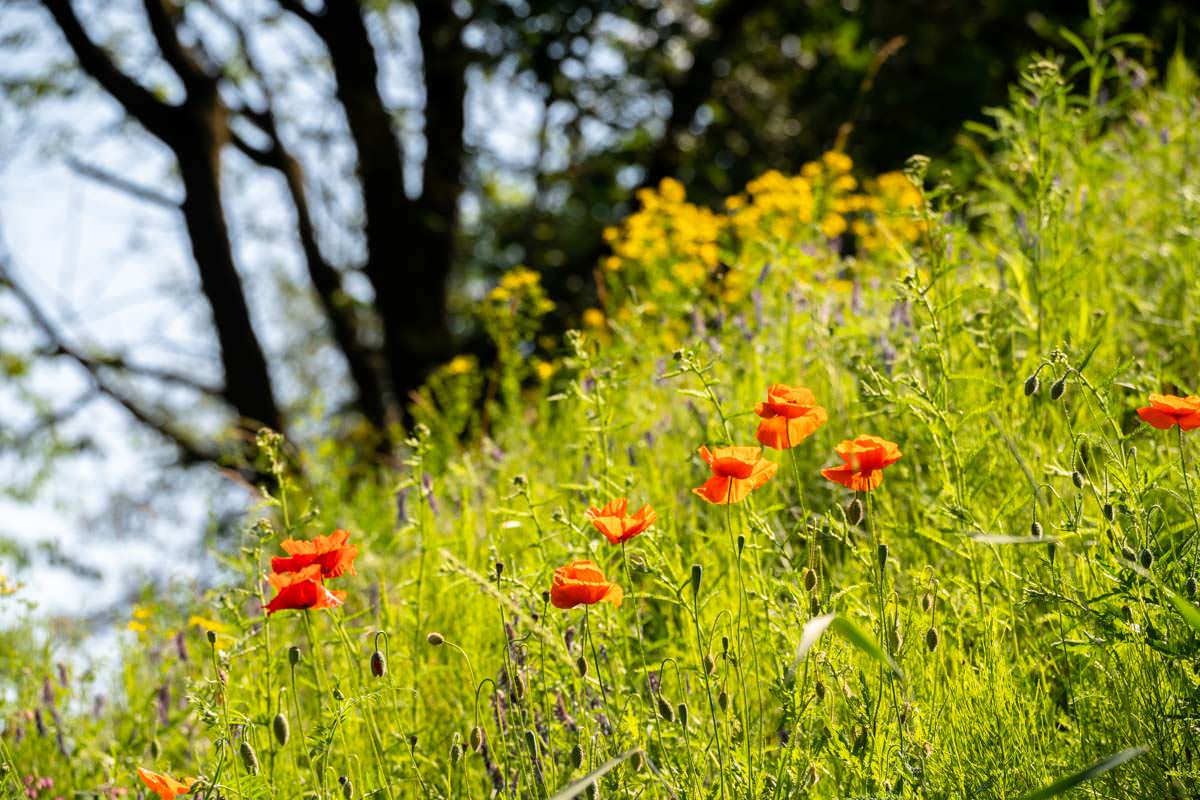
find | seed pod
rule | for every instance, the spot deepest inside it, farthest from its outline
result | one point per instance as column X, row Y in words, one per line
column 665, row 710
column 545, row 597
column 697, row 572
column 682, row 712
column 1127, row 553
column 1057, row 388
column 281, row 728
column 854, row 511
column 883, row 555
column 412, row 740
column 1190, row 587
column 1110, row 513
column 931, row 639
column 347, row 787
column 725, row 645
column 1035, row 529
column 475, row 739
column 249, row 757
column 741, row 543
column 810, row 579
column 1032, row 384
column 1146, row 558
column 710, row 665
column 1077, row 479
column 581, row 666
column 378, row 664
column 723, row 700
column 293, row 655
column 577, row 756
column 499, row 568
column 211, row 636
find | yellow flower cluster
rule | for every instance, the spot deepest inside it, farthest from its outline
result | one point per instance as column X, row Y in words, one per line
column 521, row 284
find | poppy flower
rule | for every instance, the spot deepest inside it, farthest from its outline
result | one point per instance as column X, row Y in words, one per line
column 789, row 416
column 737, row 471
column 864, row 457
column 302, row 589
column 331, row 552
column 166, row 787
column 1167, row 410
column 582, row 583
column 616, row 525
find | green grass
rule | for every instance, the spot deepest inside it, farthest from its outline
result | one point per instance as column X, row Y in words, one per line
column 980, row 661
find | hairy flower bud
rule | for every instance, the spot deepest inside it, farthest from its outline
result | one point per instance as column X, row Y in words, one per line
column 1189, row 586
column 1057, row 388
column 682, row 712
column 854, row 511
column 1035, row 529
column 1110, row 513
column 581, row 666
column 1146, row 558
column 282, row 730
column 810, row 579
column 665, row 710
column 697, row 572
column 435, row 638
column 577, row 756
column 249, row 757
column 476, row 738
column 293, row 655
column 1032, row 384
column 378, row 664
column 723, row 700
column 931, row 639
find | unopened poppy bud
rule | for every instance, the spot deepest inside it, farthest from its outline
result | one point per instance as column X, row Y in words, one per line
column 293, row 655
column 741, row 543
column 1051, row 552
column 1146, row 558
column 519, row 480
column 1032, row 384
column 577, row 756
column 435, row 638
column 581, row 666
column 1189, row 586
column 456, row 753
column 1057, row 388
column 710, row 665
column 378, row 664
column 697, row 572
column 883, row 555
column 927, row 602
column 475, row 739
column 814, row 605
column 725, row 645
column 518, row 685
column 338, row 694
column 282, row 731
column 931, row 639
column 723, row 700
column 211, row 636
column 249, row 757
column 1110, row 513
column 854, row 511
column 499, row 568
column 1035, row 529
column 637, row 760
column 810, row 579
column 155, row 749
column 593, row 791
column 347, row 787
column 1127, row 553
column 1077, row 479
column 665, row 710
column 412, row 740
column 531, row 742
column 682, row 713
column 819, row 689
column 545, row 597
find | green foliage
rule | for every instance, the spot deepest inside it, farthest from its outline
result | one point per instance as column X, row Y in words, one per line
column 1012, row 603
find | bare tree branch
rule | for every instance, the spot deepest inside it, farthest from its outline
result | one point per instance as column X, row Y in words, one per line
column 163, row 22
column 114, row 181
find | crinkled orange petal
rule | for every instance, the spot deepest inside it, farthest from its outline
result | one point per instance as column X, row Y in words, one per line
column 1157, row 417
column 714, row 490
column 851, row 478
column 1190, row 422
column 166, row 787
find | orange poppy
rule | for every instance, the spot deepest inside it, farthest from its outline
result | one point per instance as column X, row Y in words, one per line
column 1168, row 410
column 582, row 582
column 616, row 525
column 789, row 416
column 737, row 471
column 331, row 552
column 864, row 457
column 302, row 589
column 166, row 787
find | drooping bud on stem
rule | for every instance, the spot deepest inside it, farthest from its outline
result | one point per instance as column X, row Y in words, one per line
column 249, row 757
column 282, row 730
column 697, row 572
column 293, row 655
column 435, row 638
column 378, row 664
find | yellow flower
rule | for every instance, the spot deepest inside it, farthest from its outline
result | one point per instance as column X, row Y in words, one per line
column 833, row 225
column 460, row 365
column 837, row 161
column 544, row 369
column 593, row 318
column 207, row 624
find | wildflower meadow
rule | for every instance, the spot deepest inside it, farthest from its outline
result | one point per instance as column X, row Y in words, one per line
column 853, row 486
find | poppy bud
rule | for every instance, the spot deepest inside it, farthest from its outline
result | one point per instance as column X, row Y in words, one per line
column 723, row 700
column 710, row 665
column 211, row 636
column 412, row 740
column 1057, row 388
column 1077, row 479
column 155, row 749
column 665, row 710
column 338, row 694
column 682, row 711
column 741, row 543
column 1032, row 384
column 456, row 753
column 883, row 555
column 282, row 731
column 814, row 605
column 577, row 756
column 725, row 645
column 819, row 689
column 1190, row 586
column 378, row 664
column 475, row 739
column 854, row 511
column 435, row 638
column 1051, row 552
column 347, row 787
column 697, row 572
column 810, row 579
column 931, row 639
column 927, row 602
column 581, row 666
column 637, row 761
column 518, row 685
column 1035, row 529
column 593, row 791
column 249, row 757
column 293, row 655
column 519, row 480
column 545, row 597
column 1110, row 513
column 1127, row 553
column 531, row 742
column 499, row 568
column 1146, row 558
